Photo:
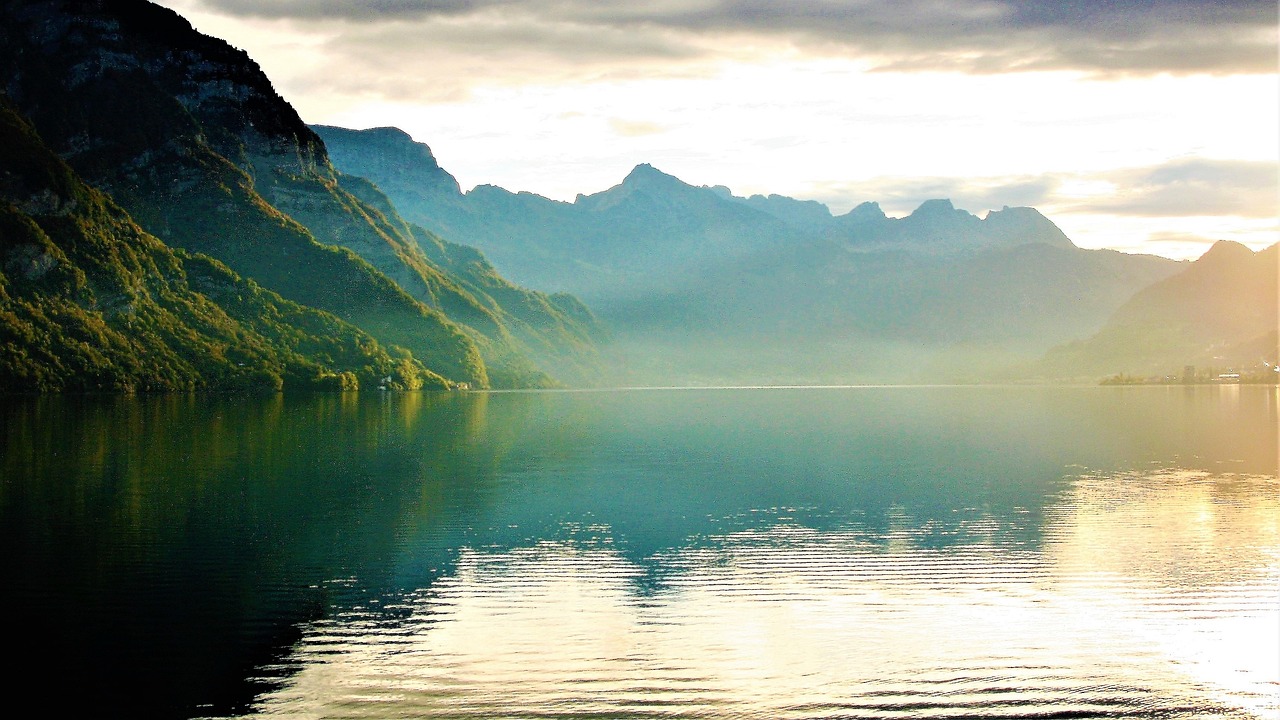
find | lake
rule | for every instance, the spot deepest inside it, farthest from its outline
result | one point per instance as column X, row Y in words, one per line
column 869, row 552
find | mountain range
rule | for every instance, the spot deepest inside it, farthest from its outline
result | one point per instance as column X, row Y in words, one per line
column 169, row 222
column 705, row 286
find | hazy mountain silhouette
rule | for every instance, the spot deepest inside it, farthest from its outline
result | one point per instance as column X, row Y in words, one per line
column 707, row 286
column 1220, row 312
column 643, row 232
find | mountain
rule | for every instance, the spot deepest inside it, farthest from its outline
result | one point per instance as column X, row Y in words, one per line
column 644, row 234
column 556, row 330
column 700, row 285
column 939, row 227
column 652, row 230
column 824, row 313
column 90, row 301
column 187, row 134
column 801, row 214
column 405, row 169
column 1220, row 312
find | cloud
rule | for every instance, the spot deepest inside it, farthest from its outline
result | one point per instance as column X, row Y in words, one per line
column 1191, row 187
column 635, row 128
column 444, row 57
column 1170, row 237
column 980, row 36
column 1191, row 245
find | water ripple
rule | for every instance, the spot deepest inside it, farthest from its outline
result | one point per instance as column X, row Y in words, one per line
column 1153, row 596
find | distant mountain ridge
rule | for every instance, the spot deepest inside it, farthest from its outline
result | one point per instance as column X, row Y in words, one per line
column 641, row 230
column 1219, row 313
column 704, row 285
column 188, row 135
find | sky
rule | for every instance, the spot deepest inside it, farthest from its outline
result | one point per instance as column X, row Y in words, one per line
column 1140, row 125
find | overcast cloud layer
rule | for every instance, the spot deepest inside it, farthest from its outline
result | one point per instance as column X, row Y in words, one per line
column 1127, row 121
column 1115, row 36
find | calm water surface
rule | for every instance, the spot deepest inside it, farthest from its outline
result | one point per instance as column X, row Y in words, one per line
column 800, row 553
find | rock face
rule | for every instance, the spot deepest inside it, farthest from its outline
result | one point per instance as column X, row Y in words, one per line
column 808, row 215
column 174, row 89
column 189, row 136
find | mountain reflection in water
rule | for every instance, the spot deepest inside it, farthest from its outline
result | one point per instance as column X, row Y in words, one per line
column 862, row 552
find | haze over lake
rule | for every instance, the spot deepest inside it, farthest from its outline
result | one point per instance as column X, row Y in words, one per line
column 822, row 552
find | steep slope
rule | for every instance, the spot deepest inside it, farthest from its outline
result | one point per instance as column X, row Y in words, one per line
column 89, row 301
column 187, row 133
column 556, row 331
column 1221, row 312
column 182, row 129
column 404, row 169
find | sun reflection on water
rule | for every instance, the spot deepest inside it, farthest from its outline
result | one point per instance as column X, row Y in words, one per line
column 1153, row 594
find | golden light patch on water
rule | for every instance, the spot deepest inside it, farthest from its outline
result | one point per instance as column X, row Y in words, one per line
column 1152, row 595
column 1192, row 561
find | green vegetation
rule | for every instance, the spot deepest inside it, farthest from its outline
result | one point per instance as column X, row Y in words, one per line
column 189, row 137
column 221, row 214
column 90, row 302
column 511, row 324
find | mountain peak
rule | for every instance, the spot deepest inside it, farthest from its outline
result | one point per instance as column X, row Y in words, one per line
column 387, row 150
column 1022, row 225
column 1225, row 251
column 935, row 208
column 869, row 210
column 643, row 180
column 644, row 172
column 382, row 139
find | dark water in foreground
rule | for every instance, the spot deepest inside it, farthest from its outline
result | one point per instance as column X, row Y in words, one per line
column 859, row 552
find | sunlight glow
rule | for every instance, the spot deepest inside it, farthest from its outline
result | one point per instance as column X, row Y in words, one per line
column 789, row 621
